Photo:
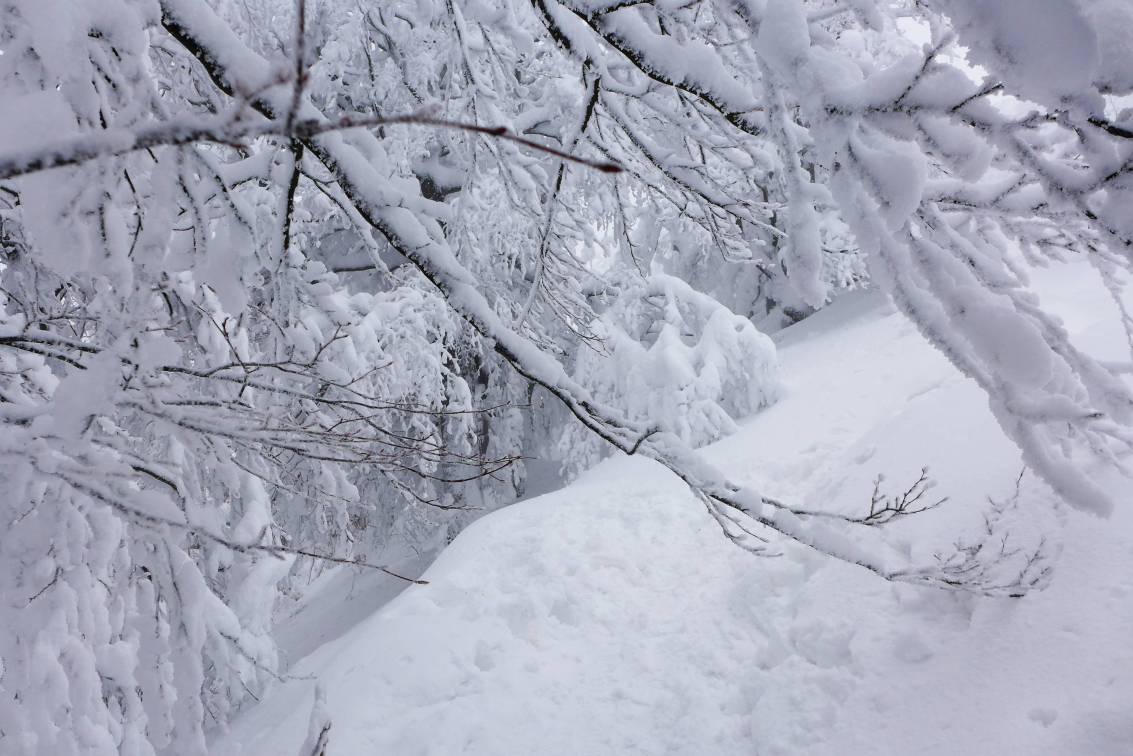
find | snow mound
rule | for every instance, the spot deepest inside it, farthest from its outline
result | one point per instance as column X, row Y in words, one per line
column 611, row 617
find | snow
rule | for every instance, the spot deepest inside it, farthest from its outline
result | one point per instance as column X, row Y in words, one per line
column 1111, row 20
column 1048, row 48
column 784, row 40
column 1051, row 50
column 337, row 600
column 692, row 65
column 897, row 174
column 611, row 616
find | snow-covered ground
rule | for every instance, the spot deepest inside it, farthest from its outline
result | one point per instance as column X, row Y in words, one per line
column 612, row 617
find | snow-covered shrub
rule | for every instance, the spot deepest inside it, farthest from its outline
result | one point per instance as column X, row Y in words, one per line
column 673, row 359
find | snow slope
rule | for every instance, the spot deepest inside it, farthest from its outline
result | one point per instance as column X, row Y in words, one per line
column 611, row 617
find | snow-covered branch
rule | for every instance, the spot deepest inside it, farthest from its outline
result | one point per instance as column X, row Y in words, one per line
column 236, row 133
column 430, row 255
column 294, row 279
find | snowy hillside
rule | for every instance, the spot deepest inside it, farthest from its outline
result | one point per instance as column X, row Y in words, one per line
column 612, row 617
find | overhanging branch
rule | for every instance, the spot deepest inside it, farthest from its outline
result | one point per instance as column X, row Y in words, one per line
column 422, row 243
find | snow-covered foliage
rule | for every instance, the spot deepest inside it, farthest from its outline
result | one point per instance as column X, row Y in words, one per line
column 281, row 278
column 674, row 358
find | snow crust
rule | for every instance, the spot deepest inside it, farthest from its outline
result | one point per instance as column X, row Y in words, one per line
column 611, row 617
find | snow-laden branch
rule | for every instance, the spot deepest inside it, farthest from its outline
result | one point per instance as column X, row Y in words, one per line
column 235, row 132
column 423, row 244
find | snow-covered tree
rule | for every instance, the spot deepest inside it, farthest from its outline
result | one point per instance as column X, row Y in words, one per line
column 281, row 278
column 676, row 360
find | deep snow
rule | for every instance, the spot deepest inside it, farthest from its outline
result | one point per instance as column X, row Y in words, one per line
column 611, row 617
